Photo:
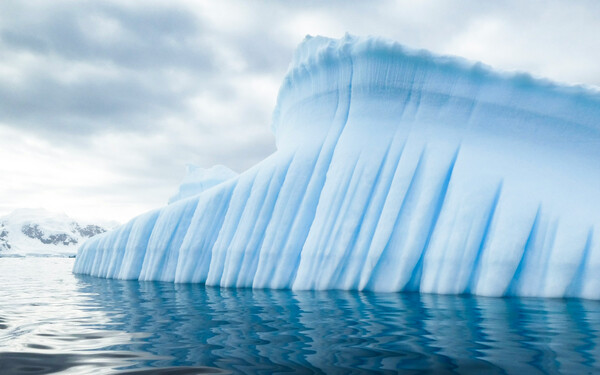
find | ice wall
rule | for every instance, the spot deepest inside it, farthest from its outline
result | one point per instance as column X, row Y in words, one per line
column 395, row 170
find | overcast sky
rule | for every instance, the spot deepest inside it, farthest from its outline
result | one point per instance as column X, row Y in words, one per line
column 102, row 104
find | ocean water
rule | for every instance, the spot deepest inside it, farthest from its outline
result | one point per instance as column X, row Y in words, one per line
column 52, row 321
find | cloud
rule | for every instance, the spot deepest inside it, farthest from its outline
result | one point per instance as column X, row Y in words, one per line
column 103, row 103
column 90, row 68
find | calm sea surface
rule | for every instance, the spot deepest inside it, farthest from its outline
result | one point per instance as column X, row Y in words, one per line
column 53, row 321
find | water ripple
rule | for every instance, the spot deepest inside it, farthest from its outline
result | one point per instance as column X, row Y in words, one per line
column 52, row 321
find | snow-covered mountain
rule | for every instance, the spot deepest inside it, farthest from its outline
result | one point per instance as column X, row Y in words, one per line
column 40, row 232
column 199, row 179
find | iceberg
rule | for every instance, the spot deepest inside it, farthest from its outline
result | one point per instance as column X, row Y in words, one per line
column 395, row 170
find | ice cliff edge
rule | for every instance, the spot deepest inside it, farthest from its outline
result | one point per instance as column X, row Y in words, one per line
column 395, row 170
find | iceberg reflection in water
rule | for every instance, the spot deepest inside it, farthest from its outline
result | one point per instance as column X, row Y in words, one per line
column 270, row 331
column 51, row 320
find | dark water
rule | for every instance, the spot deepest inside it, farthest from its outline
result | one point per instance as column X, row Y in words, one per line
column 52, row 321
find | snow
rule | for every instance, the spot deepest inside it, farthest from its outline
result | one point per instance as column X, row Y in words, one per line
column 395, row 170
column 38, row 232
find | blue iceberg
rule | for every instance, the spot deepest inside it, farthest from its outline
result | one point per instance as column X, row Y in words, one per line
column 395, row 170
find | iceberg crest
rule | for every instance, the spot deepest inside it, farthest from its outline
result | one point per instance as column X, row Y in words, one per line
column 199, row 179
column 395, row 170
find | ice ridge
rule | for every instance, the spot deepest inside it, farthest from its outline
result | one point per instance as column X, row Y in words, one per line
column 395, row 170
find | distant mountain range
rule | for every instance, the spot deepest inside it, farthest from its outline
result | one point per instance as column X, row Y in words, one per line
column 40, row 232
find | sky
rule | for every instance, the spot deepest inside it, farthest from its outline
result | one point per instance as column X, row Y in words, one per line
column 103, row 103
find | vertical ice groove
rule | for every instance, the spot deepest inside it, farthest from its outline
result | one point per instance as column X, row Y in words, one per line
column 245, row 276
column 280, row 270
column 279, row 258
column 249, row 220
column 575, row 286
column 285, row 214
column 165, row 241
column 377, row 256
column 433, row 272
column 315, row 189
column 542, row 261
column 485, row 235
column 513, row 286
column 416, row 94
column 415, row 279
column 374, row 211
column 348, row 249
column 330, row 255
column 137, row 244
column 409, row 96
column 201, row 241
column 309, row 265
column 98, row 255
column 105, row 254
column 117, row 258
column 316, row 243
column 186, row 259
column 233, row 215
column 173, row 248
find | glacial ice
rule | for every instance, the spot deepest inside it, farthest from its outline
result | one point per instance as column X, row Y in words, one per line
column 199, row 179
column 395, row 170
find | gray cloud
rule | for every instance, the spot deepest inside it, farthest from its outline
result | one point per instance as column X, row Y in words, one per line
column 136, row 38
column 103, row 103
column 104, row 67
